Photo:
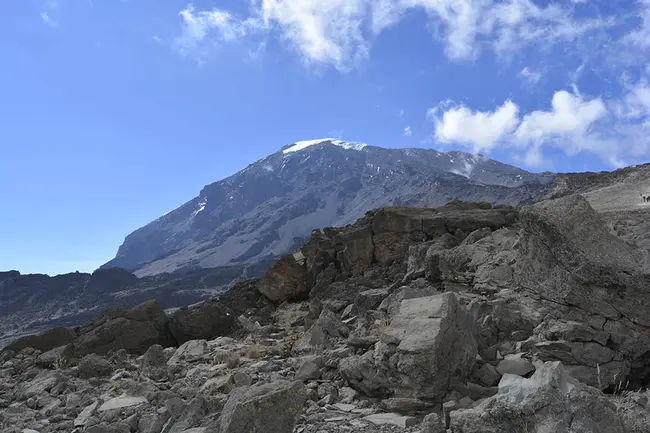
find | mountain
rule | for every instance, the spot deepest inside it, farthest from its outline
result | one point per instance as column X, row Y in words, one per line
column 271, row 206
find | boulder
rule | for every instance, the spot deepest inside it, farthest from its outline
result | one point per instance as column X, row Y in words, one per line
column 94, row 366
column 432, row 424
column 134, row 330
column 189, row 350
column 269, row 408
column 206, row 321
column 309, row 369
column 488, row 375
column 358, row 250
column 316, row 338
column 154, row 363
column 43, row 382
column 370, row 299
column 550, row 400
column 61, row 355
column 86, row 414
column 192, row 416
column 48, row 340
column 285, row 280
column 428, row 343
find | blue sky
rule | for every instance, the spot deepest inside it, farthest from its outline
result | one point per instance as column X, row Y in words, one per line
column 113, row 112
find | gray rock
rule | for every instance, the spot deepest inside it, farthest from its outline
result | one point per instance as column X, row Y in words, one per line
column 405, row 405
column 192, row 416
column 370, row 299
column 432, row 424
column 518, row 366
column 248, row 325
column 94, row 366
column 86, row 414
column 332, row 325
column 206, row 321
column 447, row 408
column 59, row 355
column 121, row 402
column 550, row 400
column 313, row 341
column 309, row 369
column 391, row 419
column 428, row 343
column 112, row 428
column 154, row 363
column 49, row 340
column 285, row 280
column 135, row 331
column 43, row 382
column 268, row 408
column 189, row 350
column 487, row 375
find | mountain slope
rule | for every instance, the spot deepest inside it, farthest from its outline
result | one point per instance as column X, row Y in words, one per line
column 271, row 206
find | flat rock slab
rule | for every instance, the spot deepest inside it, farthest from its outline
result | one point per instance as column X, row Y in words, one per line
column 269, row 408
column 85, row 414
column 520, row 367
column 121, row 402
column 391, row 419
column 345, row 407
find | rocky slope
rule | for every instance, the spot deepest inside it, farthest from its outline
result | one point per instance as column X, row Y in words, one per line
column 463, row 319
column 270, row 207
column 33, row 303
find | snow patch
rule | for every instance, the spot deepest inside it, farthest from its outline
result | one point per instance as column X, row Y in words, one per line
column 201, row 207
column 465, row 171
column 301, row 145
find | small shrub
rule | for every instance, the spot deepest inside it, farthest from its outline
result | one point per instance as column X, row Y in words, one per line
column 254, row 351
column 287, row 346
column 233, row 360
column 61, row 363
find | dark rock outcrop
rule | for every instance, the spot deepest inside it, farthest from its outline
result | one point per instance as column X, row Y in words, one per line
column 134, row 330
column 46, row 341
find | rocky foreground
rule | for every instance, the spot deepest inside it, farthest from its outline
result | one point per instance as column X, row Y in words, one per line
column 467, row 319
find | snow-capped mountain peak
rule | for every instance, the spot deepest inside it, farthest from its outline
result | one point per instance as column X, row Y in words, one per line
column 301, row 145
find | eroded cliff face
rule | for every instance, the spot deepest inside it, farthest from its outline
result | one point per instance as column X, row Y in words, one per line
column 466, row 317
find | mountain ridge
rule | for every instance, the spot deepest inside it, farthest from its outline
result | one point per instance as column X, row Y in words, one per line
column 269, row 207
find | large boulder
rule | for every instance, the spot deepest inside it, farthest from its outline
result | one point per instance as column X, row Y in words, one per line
column 286, row 279
column 428, row 345
column 48, row 340
column 206, row 321
column 94, row 366
column 568, row 256
column 269, row 408
column 134, row 330
column 550, row 401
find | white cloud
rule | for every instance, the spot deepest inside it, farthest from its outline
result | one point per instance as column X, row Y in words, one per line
column 570, row 115
column 407, row 131
column 324, row 31
column 573, row 124
column 480, row 131
column 216, row 23
column 48, row 20
column 340, row 32
column 531, row 77
column 641, row 35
